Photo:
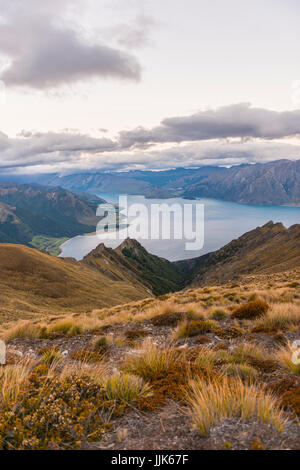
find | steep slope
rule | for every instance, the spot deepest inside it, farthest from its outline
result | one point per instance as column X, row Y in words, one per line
column 11, row 227
column 29, row 210
column 115, row 266
column 268, row 249
column 56, row 203
column 275, row 183
column 162, row 275
column 35, row 283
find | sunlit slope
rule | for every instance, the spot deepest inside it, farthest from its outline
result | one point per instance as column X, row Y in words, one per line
column 34, row 283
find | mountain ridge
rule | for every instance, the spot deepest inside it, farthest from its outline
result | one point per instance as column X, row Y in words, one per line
column 31, row 210
column 256, row 252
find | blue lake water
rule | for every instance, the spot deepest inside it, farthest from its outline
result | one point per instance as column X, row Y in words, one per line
column 223, row 222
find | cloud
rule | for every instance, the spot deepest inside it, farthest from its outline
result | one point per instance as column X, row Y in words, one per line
column 44, row 51
column 134, row 35
column 240, row 120
column 33, row 149
column 205, row 138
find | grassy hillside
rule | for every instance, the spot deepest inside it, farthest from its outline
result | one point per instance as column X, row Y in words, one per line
column 34, row 283
column 206, row 368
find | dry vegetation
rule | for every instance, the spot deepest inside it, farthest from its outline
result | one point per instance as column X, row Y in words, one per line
column 222, row 354
column 34, row 284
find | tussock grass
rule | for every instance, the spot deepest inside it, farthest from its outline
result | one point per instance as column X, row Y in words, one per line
column 285, row 358
column 22, row 330
column 218, row 314
column 231, row 398
column 207, row 358
column 12, row 377
column 243, row 371
column 193, row 328
column 66, row 327
column 150, row 360
column 281, row 316
column 102, row 343
column 96, row 372
column 125, row 387
column 49, row 356
column 247, row 350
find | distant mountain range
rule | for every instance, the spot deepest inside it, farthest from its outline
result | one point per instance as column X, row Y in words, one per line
column 264, row 250
column 30, row 210
column 274, row 183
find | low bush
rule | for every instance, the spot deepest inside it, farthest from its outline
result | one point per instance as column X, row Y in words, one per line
column 54, row 414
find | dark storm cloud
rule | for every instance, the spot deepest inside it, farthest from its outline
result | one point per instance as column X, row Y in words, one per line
column 240, row 120
column 46, row 53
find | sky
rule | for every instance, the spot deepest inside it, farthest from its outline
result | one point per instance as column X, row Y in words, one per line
column 147, row 84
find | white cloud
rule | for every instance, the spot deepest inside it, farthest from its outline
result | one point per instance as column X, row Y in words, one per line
column 44, row 50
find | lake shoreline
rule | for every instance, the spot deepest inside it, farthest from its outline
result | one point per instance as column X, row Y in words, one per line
column 224, row 222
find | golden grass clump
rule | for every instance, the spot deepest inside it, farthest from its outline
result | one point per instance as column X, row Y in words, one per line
column 231, row 398
column 125, row 387
column 50, row 355
column 243, row 371
column 251, row 310
column 66, row 327
column 12, row 378
column 193, row 328
column 281, row 317
column 207, row 357
column 289, row 359
column 150, row 360
column 87, row 356
column 102, row 343
column 22, row 330
column 218, row 314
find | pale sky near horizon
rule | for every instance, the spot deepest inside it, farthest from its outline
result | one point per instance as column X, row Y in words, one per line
column 77, row 73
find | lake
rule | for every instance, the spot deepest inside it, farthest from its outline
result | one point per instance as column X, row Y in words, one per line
column 223, row 222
